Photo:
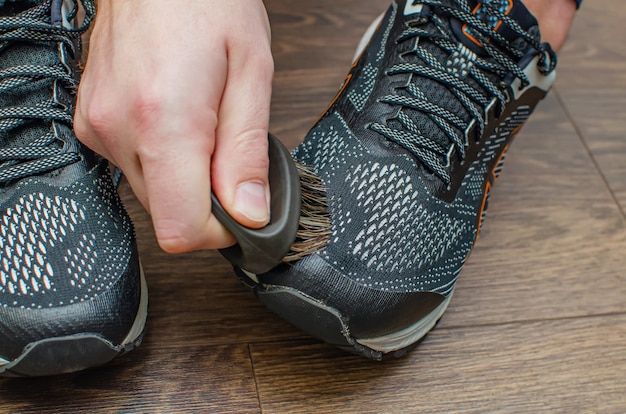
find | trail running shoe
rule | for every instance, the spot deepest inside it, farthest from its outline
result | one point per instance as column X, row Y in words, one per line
column 72, row 294
column 409, row 151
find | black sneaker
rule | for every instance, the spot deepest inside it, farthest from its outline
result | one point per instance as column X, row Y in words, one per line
column 409, row 151
column 72, row 294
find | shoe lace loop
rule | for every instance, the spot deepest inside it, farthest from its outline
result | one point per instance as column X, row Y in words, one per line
column 34, row 26
column 501, row 58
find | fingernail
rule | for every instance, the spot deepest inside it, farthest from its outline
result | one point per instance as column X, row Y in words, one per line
column 251, row 201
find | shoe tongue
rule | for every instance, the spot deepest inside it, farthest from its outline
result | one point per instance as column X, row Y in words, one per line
column 512, row 8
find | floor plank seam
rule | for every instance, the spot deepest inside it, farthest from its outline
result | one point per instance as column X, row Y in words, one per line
column 581, row 137
column 531, row 321
column 452, row 328
column 284, row 340
column 255, row 379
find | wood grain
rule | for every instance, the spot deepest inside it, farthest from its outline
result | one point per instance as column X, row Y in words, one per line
column 592, row 87
column 565, row 366
column 184, row 379
column 553, row 242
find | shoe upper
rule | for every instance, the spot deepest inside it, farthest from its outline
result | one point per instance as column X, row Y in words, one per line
column 68, row 260
column 408, row 151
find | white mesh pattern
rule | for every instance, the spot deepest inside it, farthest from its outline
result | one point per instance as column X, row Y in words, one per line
column 364, row 86
column 58, row 250
column 329, row 148
column 404, row 218
column 81, row 261
column 397, row 232
column 475, row 184
column 27, row 230
column 363, row 89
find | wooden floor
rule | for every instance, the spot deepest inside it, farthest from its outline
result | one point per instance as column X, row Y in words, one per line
column 538, row 321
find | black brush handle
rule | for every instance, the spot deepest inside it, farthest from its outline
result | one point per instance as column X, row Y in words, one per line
column 260, row 250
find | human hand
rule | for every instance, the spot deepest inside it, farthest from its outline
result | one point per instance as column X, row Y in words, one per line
column 177, row 95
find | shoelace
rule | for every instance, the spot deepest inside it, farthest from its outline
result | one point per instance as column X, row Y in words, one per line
column 432, row 153
column 38, row 156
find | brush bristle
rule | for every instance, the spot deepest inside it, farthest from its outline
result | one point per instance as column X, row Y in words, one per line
column 314, row 230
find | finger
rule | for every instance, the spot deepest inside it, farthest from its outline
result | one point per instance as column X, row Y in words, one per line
column 240, row 161
column 86, row 134
column 106, row 143
column 180, row 203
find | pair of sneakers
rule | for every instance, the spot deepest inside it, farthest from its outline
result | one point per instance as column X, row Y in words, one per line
column 408, row 152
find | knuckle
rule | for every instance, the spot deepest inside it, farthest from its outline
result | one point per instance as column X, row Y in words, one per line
column 174, row 245
column 173, row 238
column 265, row 66
column 245, row 160
column 206, row 120
column 81, row 128
column 100, row 117
column 146, row 109
column 251, row 148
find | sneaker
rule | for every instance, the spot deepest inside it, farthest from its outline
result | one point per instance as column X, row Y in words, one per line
column 409, row 151
column 72, row 294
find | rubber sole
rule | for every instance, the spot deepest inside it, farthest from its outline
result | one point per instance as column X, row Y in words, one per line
column 74, row 353
column 328, row 324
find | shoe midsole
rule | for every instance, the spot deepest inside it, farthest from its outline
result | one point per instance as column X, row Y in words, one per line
column 407, row 336
column 142, row 314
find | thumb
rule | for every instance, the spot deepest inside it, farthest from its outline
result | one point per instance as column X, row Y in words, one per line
column 240, row 164
column 239, row 176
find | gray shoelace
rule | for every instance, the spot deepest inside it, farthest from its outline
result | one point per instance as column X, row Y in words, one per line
column 435, row 154
column 33, row 25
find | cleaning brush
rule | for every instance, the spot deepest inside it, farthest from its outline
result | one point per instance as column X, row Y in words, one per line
column 299, row 219
column 314, row 223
